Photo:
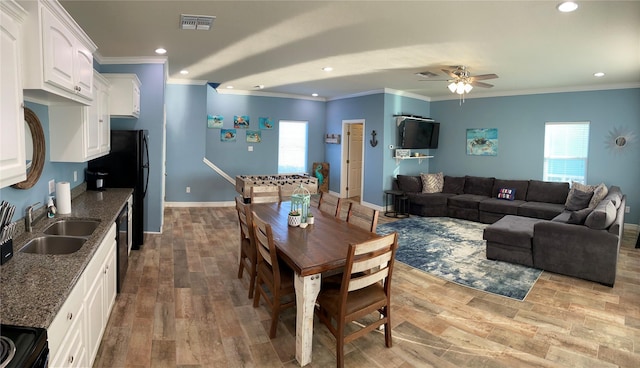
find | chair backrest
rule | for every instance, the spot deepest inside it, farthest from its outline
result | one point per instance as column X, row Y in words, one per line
column 368, row 263
column 286, row 192
column 363, row 217
column 244, row 218
column 265, row 194
column 263, row 236
column 329, row 203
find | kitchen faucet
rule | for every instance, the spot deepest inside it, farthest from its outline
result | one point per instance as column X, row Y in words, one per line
column 28, row 219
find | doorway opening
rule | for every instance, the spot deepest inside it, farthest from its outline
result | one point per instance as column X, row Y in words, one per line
column 352, row 160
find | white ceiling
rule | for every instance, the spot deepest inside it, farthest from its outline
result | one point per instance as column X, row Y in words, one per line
column 371, row 45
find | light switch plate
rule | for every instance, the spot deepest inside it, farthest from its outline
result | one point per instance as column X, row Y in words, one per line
column 250, row 148
column 52, row 186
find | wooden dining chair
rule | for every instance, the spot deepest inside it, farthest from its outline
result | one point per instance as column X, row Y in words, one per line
column 364, row 217
column 274, row 276
column 365, row 289
column 247, row 257
column 329, row 203
column 265, row 194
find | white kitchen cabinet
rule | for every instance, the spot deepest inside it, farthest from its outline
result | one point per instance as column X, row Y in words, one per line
column 101, row 281
column 12, row 125
column 58, row 55
column 124, row 95
column 66, row 334
column 80, row 133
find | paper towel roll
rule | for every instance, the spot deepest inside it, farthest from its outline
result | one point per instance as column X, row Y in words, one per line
column 63, row 197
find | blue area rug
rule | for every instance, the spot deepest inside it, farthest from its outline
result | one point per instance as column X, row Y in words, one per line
column 454, row 250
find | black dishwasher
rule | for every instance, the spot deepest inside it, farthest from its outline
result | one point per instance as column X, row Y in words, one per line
column 122, row 247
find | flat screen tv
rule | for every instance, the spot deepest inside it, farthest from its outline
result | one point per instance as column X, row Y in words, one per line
column 418, row 134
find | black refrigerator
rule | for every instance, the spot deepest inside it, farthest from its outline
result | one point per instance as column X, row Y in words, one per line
column 127, row 166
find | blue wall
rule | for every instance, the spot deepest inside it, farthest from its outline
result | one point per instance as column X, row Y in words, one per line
column 59, row 171
column 520, row 122
column 152, row 101
column 189, row 140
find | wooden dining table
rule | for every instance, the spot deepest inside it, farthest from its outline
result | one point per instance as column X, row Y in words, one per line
column 319, row 248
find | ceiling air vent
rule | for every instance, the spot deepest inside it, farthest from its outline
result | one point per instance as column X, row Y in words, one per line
column 197, row 22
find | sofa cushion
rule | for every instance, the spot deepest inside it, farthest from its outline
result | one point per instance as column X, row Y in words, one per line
column 478, row 185
column 409, row 183
column 520, row 186
column 508, row 194
column 598, row 192
column 563, row 217
column 515, row 231
column 578, row 217
column 546, row 191
column 578, row 200
column 432, row 183
column 495, row 205
column 453, row 184
column 429, row 199
column 614, row 195
column 541, row 210
column 468, row 201
column 602, row 216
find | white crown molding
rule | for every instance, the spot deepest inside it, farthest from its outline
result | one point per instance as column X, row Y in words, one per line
column 103, row 60
column 195, row 82
column 390, row 91
column 539, row 91
column 227, row 91
column 359, row 94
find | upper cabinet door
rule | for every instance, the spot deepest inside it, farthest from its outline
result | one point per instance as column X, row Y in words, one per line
column 12, row 125
column 83, row 69
column 59, row 53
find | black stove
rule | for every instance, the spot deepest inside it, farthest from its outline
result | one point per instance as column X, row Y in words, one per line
column 23, row 347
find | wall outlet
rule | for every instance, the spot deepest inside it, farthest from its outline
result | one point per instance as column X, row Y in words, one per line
column 52, row 186
column 188, row 190
column 627, row 209
column 75, row 176
column 250, row 148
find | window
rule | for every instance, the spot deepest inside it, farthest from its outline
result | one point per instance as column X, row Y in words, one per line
column 292, row 147
column 566, row 149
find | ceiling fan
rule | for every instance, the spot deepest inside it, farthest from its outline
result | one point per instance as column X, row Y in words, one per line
column 461, row 81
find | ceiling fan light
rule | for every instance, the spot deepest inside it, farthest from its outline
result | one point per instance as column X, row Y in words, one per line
column 460, row 87
column 467, row 87
column 452, row 87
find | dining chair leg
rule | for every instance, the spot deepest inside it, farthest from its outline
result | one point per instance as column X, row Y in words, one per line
column 340, row 349
column 252, row 281
column 256, row 299
column 388, row 341
column 240, row 268
column 275, row 313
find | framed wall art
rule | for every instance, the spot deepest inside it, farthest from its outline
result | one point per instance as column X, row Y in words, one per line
column 482, row 142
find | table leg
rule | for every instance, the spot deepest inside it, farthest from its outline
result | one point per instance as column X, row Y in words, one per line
column 307, row 289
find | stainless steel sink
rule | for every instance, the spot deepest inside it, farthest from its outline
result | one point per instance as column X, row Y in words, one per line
column 72, row 227
column 53, row 245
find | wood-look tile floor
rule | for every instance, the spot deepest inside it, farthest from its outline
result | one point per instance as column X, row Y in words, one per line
column 182, row 306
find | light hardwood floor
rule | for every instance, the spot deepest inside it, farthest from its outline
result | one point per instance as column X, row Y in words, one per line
column 182, row 306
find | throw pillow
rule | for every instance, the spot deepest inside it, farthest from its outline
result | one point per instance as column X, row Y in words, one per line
column 409, row 183
column 602, row 216
column 432, row 183
column 599, row 193
column 579, row 200
column 578, row 186
column 507, row 193
column 578, row 217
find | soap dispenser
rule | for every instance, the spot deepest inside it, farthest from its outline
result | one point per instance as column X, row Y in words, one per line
column 51, row 208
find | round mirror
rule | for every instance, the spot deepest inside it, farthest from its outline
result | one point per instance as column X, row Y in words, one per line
column 35, row 149
column 621, row 141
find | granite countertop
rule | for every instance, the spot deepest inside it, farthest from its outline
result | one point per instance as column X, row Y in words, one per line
column 33, row 287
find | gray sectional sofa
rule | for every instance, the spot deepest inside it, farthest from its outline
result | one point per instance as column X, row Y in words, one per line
column 536, row 226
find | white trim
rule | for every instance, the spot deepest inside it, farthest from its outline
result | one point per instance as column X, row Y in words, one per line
column 374, row 206
column 538, row 91
column 105, row 60
column 195, row 82
column 200, row 204
column 228, row 91
column 407, row 94
column 219, row 171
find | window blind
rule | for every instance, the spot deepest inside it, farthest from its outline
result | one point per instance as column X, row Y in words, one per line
column 566, row 150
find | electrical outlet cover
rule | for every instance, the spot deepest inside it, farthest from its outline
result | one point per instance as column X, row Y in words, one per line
column 52, row 186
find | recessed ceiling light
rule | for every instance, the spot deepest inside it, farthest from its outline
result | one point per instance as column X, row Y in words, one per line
column 230, row 87
column 567, row 6
column 184, row 72
column 314, row 94
column 161, row 51
column 598, row 74
column 327, row 68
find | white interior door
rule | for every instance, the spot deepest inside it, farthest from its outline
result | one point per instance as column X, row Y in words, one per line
column 354, row 161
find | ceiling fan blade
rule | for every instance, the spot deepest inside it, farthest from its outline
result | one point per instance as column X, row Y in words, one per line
column 481, row 84
column 484, row 76
column 450, row 73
